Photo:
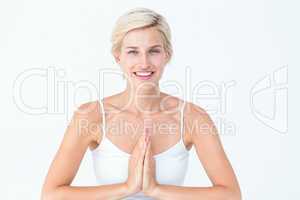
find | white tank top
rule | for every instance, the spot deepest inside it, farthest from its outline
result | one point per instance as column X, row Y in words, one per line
column 111, row 163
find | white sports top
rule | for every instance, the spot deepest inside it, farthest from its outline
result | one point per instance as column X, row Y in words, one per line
column 111, row 163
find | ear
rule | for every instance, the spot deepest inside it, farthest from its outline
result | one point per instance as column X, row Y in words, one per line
column 117, row 57
column 168, row 57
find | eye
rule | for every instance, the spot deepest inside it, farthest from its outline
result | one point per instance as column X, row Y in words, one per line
column 154, row 51
column 132, row 52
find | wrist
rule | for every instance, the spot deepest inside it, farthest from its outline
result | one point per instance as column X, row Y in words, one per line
column 154, row 192
column 129, row 190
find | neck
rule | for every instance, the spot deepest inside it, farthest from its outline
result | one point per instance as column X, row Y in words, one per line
column 142, row 100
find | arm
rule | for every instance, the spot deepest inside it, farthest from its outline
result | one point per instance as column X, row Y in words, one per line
column 114, row 191
column 82, row 130
column 212, row 156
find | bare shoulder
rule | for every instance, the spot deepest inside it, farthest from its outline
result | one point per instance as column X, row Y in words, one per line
column 198, row 121
column 89, row 109
column 195, row 112
column 170, row 103
column 88, row 118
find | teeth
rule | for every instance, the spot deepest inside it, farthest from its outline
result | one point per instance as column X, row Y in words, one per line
column 143, row 73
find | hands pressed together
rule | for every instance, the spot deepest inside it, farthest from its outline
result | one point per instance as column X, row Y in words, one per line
column 141, row 169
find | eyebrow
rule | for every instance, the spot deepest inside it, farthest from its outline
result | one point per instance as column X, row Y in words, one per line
column 134, row 47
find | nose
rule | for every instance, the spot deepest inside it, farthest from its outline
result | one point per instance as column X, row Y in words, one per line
column 145, row 62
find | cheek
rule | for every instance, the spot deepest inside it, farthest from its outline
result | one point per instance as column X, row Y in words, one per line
column 158, row 60
column 129, row 59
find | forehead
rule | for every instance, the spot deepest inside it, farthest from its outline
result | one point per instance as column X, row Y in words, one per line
column 143, row 38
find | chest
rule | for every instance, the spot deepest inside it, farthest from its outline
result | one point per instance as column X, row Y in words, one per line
column 124, row 130
column 111, row 164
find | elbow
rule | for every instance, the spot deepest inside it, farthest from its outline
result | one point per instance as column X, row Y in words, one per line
column 50, row 194
column 46, row 195
column 235, row 194
column 230, row 193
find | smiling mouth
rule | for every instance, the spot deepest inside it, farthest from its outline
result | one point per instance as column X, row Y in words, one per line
column 144, row 75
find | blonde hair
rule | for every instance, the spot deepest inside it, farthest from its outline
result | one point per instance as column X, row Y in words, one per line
column 140, row 18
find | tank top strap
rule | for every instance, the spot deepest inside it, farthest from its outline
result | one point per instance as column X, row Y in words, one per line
column 103, row 117
column 182, row 120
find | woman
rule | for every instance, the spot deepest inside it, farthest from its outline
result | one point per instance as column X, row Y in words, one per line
column 146, row 156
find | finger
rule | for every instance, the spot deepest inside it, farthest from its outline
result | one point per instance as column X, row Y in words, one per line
column 146, row 139
column 147, row 155
column 138, row 146
column 142, row 152
column 146, row 132
column 139, row 150
column 140, row 163
column 141, row 141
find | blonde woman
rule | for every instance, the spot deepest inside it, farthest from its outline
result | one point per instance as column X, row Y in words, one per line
column 140, row 138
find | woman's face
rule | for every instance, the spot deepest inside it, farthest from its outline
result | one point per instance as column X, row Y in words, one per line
column 142, row 56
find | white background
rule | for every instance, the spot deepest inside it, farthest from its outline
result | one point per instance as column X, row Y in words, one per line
column 251, row 44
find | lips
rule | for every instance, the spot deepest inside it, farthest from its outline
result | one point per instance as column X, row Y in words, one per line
column 144, row 75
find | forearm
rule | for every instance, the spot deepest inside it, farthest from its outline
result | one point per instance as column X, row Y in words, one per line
column 166, row 192
column 113, row 191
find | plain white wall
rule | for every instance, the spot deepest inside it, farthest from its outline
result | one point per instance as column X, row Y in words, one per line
column 231, row 57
